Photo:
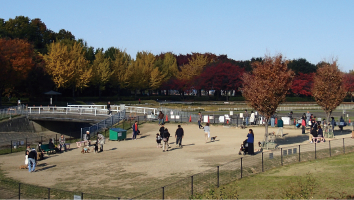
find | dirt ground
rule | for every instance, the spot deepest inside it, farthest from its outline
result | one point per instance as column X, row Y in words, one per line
column 137, row 166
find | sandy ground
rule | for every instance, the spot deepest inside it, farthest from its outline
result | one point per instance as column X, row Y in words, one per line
column 138, row 165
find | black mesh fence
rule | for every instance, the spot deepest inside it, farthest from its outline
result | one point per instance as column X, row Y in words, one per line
column 197, row 184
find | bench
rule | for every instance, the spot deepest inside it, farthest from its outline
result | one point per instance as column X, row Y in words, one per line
column 45, row 148
column 318, row 139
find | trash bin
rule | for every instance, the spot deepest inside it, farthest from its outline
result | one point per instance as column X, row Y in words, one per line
column 117, row 134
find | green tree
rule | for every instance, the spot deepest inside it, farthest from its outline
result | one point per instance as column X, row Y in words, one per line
column 302, row 65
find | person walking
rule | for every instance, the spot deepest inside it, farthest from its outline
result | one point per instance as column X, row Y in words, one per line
column 280, row 126
column 250, row 141
column 161, row 116
column 313, row 131
column 109, row 108
column 32, row 160
column 272, row 121
column 135, row 130
column 101, row 141
column 207, row 132
column 166, row 136
column 179, row 135
column 246, row 116
column 200, row 120
column 62, row 143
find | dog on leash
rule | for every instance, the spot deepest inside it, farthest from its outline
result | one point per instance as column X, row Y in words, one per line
column 212, row 139
column 95, row 148
column 85, row 150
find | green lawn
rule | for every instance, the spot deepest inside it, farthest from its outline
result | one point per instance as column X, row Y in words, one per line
column 318, row 179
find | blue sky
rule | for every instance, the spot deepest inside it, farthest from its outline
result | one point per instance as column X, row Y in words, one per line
column 315, row 30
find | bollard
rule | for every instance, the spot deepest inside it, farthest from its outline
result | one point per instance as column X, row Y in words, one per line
column 299, row 154
column 315, row 150
column 82, row 195
column 343, row 147
column 281, row 154
column 330, row 152
column 163, row 192
column 11, row 146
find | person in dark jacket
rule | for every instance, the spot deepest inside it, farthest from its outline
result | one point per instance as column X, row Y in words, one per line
column 51, row 144
column 166, row 136
column 313, row 132
column 135, row 130
column 280, row 127
column 333, row 123
column 32, row 160
column 109, row 108
column 250, row 142
column 179, row 135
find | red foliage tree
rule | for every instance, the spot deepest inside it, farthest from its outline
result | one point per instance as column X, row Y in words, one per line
column 302, row 84
column 16, row 61
column 220, row 76
column 348, row 80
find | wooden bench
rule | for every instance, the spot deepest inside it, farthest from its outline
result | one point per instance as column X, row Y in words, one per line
column 45, row 148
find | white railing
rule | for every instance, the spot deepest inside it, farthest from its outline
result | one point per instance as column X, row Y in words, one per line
column 130, row 109
column 67, row 110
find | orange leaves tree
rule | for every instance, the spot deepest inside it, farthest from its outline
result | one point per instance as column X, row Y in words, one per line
column 328, row 87
column 266, row 86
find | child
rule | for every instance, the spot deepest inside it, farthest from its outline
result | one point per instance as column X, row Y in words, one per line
column 158, row 140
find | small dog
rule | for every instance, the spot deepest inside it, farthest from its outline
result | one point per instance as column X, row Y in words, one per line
column 259, row 144
column 23, row 167
column 212, row 139
column 95, row 148
column 85, row 150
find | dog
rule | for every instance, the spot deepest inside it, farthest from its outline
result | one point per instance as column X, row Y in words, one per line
column 212, row 139
column 85, row 150
column 95, row 148
column 23, row 167
column 259, row 144
column 243, row 126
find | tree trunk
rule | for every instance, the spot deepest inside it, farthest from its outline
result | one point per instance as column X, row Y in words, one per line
column 74, row 93
column 327, row 127
column 199, row 93
column 227, row 95
column 266, row 120
column 1, row 97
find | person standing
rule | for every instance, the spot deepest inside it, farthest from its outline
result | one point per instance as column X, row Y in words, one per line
column 200, row 120
column 87, row 138
column 313, row 132
column 333, row 123
column 252, row 118
column 246, row 116
column 308, row 115
column 207, row 132
column 62, row 143
column 303, row 123
column 109, row 108
column 280, row 126
column 272, row 121
column 135, row 130
column 166, row 136
column 179, row 135
column 161, row 116
column 101, row 141
column 250, row 141
column 32, row 160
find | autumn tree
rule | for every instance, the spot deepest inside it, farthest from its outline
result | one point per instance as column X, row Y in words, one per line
column 220, row 76
column 101, row 71
column 328, row 88
column 16, row 61
column 266, row 86
column 139, row 72
column 120, row 61
column 349, row 84
column 67, row 66
column 302, row 84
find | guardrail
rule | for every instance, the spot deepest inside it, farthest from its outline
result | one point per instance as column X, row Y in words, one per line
column 130, row 109
column 67, row 110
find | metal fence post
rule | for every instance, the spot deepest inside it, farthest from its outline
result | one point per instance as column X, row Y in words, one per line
column 11, row 146
column 262, row 163
column 48, row 193
column 218, row 174
column 343, row 147
column 19, row 190
column 82, row 195
column 330, row 152
column 192, row 185
column 163, row 192
column 299, row 154
column 241, row 167
column 315, row 150
column 281, row 156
